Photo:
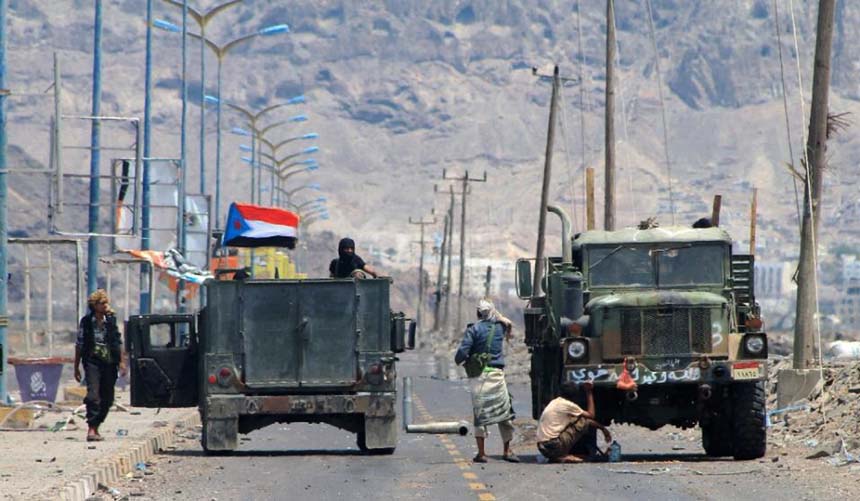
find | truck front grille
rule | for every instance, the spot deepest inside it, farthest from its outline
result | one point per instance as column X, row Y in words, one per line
column 666, row 331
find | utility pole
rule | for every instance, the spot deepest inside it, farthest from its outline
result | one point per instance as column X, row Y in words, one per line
column 422, row 223
column 441, row 273
column 450, row 259
column 547, row 174
column 805, row 327
column 609, row 188
column 464, row 190
column 488, row 281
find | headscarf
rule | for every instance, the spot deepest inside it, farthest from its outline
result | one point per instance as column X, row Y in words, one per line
column 344, row 244
column 345, row 260
column 486, row 310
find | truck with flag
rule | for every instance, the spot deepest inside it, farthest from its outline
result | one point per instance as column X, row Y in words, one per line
column 665, row 324
column 274, row 350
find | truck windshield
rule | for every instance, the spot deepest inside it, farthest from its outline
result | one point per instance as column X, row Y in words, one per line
column 624, row 265
column 676, row 265
column 690, row 265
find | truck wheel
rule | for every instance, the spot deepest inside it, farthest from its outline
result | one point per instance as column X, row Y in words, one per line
column 362, row 445
column 749, row 432
column 717, row 437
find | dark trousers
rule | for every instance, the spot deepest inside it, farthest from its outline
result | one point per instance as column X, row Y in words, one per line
column 101, row 379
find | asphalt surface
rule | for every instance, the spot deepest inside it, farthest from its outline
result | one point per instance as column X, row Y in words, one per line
column 320, row 462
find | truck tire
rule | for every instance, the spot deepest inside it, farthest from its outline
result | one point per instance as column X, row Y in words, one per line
column 749, row 431
column 717, row 437
column 362, row 445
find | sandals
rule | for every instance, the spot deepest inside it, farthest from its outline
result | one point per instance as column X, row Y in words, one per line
column 95, row 438
column 479, row 459
column 511, row 458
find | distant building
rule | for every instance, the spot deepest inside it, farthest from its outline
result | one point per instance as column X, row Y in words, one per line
column 773, row 279
column 848, row 308
column 850, row 269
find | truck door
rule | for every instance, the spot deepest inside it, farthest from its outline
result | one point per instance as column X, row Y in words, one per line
column 163, row 356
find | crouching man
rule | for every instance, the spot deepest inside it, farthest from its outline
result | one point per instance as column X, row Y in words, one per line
column 563, row 424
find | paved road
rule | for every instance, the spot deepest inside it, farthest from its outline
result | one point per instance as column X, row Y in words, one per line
column 319, row 462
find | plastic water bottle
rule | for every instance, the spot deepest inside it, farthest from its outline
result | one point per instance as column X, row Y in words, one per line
column 614, row 452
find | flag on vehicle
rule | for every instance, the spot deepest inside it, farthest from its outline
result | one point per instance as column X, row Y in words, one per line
column 255, row 226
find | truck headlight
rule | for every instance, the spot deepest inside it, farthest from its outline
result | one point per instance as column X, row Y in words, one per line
column 755, row 344
column 577, row 349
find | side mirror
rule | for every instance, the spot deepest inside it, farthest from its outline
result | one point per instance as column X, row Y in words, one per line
column 524, row 278
column 410, row 339
column 398, row 332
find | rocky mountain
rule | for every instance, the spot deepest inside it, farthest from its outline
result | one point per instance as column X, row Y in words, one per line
column 401, row 89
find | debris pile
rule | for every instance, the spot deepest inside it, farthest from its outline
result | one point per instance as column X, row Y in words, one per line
column 828, row 421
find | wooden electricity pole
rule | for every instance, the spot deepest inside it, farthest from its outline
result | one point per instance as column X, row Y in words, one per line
column 441, row 273
column 547, row 176
column 609, row 125
column 464, row 191
column 805, row 326
column 422, row 223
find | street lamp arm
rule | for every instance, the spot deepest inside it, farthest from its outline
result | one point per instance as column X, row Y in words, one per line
column 287, row 141
column 247, row 114
column 270, row 107
column 269, row 127
column 194, row 13
column 219, row 52
column 202, row 18
column 218, row 9
column 229, row 45
column 285, row 176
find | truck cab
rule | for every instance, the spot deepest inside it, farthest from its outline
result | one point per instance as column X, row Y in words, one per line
column 275, row 351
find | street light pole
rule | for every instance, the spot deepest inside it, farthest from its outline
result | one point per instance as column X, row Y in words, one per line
column 202, row 19
column 147, row 152
column 95, row 154
column 4, row 230
column 183, row 178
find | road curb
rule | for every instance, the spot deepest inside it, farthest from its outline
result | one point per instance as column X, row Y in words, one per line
column 109, row 470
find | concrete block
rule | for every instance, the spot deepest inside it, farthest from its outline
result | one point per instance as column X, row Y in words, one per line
column 75, row 393
column 793, row 385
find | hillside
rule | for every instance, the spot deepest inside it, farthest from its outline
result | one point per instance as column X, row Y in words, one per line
column 400, row 90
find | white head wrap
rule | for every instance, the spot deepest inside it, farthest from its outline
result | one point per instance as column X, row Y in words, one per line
column 486, row 310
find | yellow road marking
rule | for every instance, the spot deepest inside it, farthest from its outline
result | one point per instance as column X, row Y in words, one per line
column 456, row 456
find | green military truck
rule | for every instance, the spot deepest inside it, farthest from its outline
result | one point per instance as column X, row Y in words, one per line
column 275, row 351
column 673, row 306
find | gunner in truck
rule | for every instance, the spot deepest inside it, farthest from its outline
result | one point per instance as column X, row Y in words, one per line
column 349, row 264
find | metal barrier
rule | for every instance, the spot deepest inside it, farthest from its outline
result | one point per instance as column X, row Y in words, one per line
column 49, row 267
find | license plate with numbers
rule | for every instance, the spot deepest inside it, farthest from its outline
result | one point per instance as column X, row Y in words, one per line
column 745, row 372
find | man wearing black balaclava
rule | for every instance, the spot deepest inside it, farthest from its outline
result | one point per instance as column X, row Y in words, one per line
column 348, row 261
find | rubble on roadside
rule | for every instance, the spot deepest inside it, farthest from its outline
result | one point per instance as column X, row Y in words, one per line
column 827, row 423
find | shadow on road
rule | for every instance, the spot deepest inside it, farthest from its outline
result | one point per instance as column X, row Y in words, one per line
column 268, row 453
column 631, row 458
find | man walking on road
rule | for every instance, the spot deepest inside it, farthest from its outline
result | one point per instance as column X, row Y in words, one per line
column 482, row 352
column 563, row 424
column 99, row 346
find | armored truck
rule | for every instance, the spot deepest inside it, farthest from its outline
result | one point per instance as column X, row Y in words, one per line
column 669, row 309
column 275, row 351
